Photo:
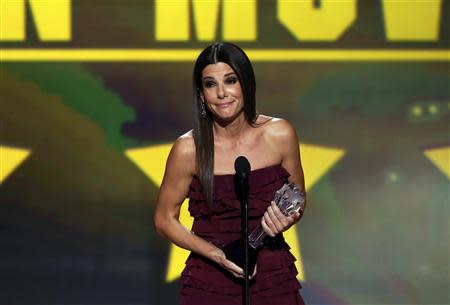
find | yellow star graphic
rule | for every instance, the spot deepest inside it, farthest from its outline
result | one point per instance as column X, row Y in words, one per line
column 10, row 159
column 152, row 161
column 316, row 162
column 440, row 157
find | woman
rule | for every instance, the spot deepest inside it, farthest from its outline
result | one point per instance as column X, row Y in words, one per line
column 201, row 166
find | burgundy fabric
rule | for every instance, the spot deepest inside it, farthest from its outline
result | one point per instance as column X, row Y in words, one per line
column 204, row 282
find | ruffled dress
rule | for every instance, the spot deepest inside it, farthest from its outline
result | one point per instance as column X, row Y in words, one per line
column 204, row 282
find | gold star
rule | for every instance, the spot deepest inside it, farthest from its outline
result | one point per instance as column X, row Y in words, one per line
column 440, row 157
column 10, row 159
column 152, row 161
column 316, row 162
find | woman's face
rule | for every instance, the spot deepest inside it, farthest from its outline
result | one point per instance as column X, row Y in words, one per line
column 221, row 91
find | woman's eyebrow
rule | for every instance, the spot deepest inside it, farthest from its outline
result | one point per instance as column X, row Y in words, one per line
column 207, row 77
column 226, row 75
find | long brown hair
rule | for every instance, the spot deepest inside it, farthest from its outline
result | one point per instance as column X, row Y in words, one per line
column 203, row 126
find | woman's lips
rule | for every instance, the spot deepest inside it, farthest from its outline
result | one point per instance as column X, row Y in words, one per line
column 224, row 105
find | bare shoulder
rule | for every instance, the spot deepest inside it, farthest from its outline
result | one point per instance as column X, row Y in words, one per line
column 185, row 143
column 182, row 154
column 279, row 130
column 281, row 135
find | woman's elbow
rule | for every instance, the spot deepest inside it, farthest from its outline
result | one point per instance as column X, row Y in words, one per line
column 159, row 224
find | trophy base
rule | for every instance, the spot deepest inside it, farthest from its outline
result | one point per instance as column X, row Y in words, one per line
column 234, row 252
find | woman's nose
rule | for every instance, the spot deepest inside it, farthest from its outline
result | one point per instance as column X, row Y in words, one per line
column 221, row 92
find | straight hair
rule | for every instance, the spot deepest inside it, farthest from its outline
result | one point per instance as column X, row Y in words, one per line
column 235, row 57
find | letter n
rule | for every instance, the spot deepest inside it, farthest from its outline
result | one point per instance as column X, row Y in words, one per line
column 52, row 19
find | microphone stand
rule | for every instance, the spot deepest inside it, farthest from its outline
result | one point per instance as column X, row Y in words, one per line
column 245, row 246
column 242, row 167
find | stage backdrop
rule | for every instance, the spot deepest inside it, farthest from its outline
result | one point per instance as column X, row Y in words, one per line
column 93, row 94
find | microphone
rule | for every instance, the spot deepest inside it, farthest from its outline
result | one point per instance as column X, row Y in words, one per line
column 242, row 168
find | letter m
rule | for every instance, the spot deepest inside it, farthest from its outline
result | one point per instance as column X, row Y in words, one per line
column 52, row 19
column 173, row 19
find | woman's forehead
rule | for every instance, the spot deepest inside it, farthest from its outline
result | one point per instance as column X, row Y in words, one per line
column 219, row 68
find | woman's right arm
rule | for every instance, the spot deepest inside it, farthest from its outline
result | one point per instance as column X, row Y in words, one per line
column 180, row 168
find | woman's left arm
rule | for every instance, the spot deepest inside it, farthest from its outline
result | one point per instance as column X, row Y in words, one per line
column 285, row 140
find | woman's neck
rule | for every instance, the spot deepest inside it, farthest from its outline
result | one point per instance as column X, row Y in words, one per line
column 231, row 130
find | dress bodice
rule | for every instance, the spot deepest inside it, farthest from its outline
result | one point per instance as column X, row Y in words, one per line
column 221, row 223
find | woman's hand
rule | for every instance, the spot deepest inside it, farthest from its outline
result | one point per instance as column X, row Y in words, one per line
column 275, row 222
column 218, row 256
column 254, row 272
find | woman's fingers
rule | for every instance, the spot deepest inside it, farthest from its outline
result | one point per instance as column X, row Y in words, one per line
column 296, row 216
column 254, row 272
column 275, row 222
column 279, row 219
column 233, row 268
column 217, row 255
column 266, row 227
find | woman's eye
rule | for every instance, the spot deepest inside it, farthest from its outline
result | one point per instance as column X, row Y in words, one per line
column 208, row 84
column 231, row 80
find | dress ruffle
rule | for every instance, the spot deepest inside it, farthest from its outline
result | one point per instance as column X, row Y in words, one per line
column 221, row 224
column 276, row 273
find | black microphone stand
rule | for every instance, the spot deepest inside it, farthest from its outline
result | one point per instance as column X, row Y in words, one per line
column 242, row 167
column 245, row 246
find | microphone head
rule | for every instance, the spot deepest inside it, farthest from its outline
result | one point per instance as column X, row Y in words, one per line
column 242, row 166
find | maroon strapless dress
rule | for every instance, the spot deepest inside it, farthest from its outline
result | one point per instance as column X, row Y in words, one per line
column 204, row 282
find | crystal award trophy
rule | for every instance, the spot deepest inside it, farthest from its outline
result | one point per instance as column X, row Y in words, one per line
column 289, row 199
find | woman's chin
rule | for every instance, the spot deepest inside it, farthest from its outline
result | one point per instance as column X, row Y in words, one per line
column 224, row 119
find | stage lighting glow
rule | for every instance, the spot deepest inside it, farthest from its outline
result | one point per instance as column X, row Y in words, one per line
column 417, row 110
column 393, row 177
column 433, row 109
